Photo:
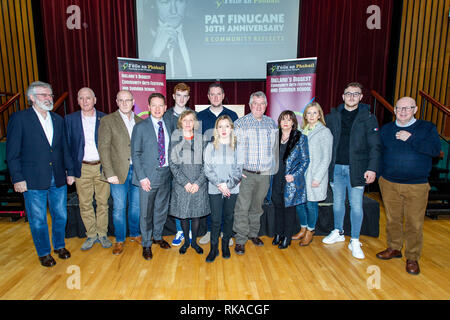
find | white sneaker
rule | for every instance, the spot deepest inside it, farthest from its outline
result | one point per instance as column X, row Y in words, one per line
column 206, row 238
column 190, row 234
column 178, row 238
column 355, row 247
column 334, row 237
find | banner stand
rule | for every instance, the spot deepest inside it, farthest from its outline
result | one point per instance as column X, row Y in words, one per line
column 291, row 86
column 142, row 78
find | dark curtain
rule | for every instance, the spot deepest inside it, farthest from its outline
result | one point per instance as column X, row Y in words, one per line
column 336, row 32
column 88, row 56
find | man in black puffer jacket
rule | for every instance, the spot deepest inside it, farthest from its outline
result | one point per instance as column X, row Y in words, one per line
column 356, row 155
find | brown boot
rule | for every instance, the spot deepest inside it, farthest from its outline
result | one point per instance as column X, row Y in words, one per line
column 307, row 239
column 117, row 248
column 300, row 235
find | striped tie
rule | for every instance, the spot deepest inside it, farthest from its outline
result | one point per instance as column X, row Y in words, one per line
column 161, row 145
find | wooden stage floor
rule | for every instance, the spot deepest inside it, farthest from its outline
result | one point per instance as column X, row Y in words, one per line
column 319, row 272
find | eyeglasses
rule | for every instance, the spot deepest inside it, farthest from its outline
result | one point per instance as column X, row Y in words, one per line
column 45, row 95
column 350, row 94
column 410, row 108
column 124, row 101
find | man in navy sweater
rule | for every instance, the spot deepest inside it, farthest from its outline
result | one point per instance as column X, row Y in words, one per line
column 408, row 146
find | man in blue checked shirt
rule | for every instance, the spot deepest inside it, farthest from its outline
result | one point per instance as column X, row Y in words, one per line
column 257, row 140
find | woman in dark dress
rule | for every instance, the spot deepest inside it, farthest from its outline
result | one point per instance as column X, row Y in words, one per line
column 288, row 184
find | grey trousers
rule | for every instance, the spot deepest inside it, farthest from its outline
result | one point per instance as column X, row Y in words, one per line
column 248, row 209
column 154, row 208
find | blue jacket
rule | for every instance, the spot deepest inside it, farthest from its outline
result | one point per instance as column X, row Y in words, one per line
column 75, row 138
column 296, row 157
column 29, row 155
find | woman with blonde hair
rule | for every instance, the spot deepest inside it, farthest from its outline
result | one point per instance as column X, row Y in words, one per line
column 224, row 172
column 320, row 143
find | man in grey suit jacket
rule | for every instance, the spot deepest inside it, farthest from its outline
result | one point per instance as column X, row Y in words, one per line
column 149, row 152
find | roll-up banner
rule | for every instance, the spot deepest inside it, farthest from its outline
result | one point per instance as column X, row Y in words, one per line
column 142, row 78
column 290, row 85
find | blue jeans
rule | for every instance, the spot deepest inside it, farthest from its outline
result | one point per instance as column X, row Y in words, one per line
column 36, row 206
column 121, row 193
column 308, row 213
column 178, row 225
column 340, row 186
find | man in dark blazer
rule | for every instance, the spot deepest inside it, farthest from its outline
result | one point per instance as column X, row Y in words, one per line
column 82, row 136
column 40, row 165
column 150, row 153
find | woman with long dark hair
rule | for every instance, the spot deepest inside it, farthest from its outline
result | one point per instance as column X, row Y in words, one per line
column 288, row 184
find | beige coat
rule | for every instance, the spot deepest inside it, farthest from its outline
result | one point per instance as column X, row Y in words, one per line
column 114, row 146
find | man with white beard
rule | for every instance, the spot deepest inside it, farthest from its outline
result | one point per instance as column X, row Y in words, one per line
column 40, row 166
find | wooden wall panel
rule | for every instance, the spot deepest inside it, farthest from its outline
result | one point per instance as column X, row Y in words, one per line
column 424, row 53
column 18, row 65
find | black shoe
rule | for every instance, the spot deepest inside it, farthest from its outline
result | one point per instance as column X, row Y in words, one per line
column 184, row 247
column 213, row 253
column 63, row 253
column 285, row 242
column 226, row 249
column 147, row 253
column 47, row 261
column 276, row 240
column 197, row 248
column 239, row 249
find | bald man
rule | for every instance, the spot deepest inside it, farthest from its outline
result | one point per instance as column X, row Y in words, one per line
column 114, row 146
column 82, row 135
column 408, row 146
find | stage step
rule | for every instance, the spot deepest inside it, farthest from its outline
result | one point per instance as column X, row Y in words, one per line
column 435, row 209
column 436, row 195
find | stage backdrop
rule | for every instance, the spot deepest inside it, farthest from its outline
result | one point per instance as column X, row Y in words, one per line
column 217, row 39
column 333, row 31
column 142, row 78
column 290, row 86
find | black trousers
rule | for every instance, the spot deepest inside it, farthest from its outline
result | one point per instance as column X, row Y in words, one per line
column 285, row 221
column 221, row 207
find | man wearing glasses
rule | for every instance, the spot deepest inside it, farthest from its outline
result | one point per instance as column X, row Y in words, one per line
column 114, row 146
column 408, row 146
column 40, row 165
column 356, row 153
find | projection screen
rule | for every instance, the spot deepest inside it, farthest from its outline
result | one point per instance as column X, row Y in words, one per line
column 217, row 39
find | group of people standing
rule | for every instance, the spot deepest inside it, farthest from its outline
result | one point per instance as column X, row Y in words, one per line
column 213, row 164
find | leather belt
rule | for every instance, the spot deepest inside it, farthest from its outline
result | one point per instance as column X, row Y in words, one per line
column 92, row 163
column 254, row 172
